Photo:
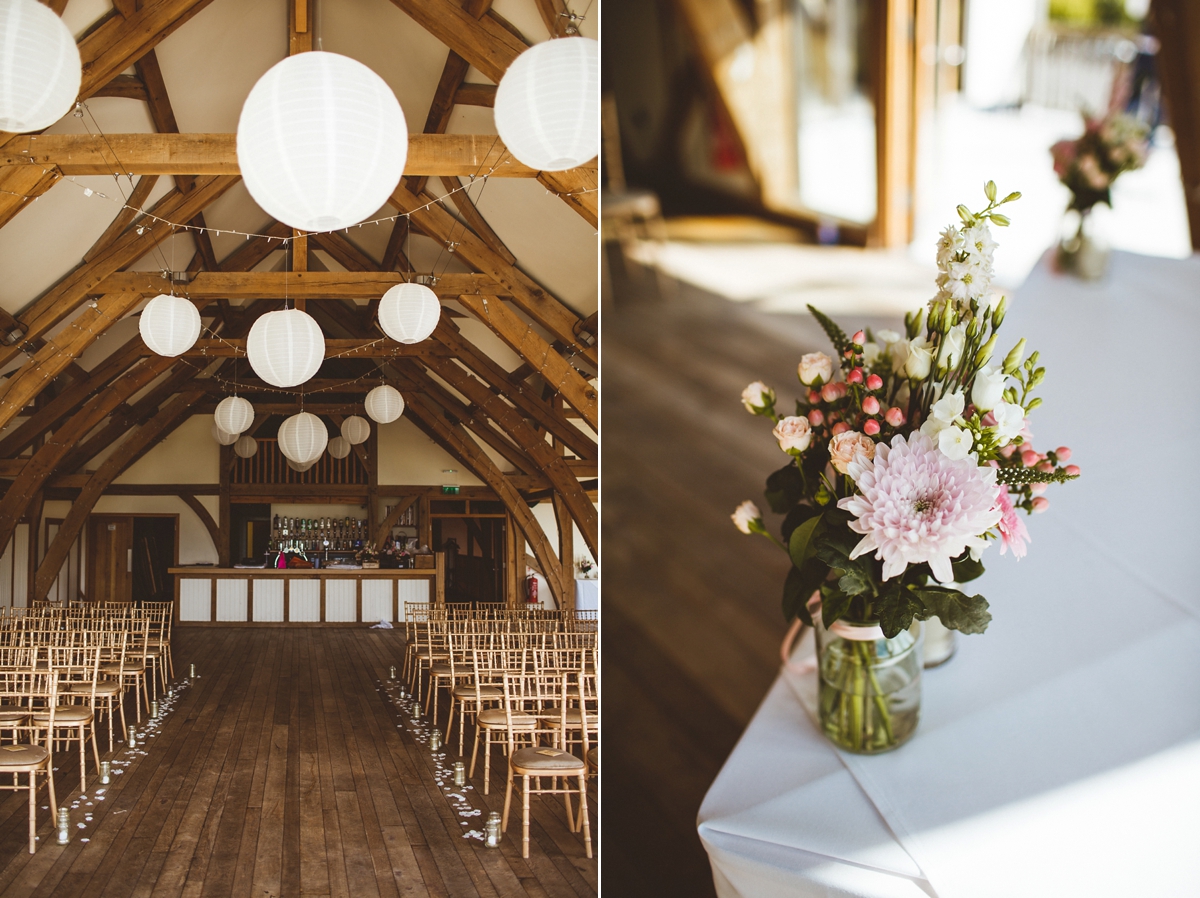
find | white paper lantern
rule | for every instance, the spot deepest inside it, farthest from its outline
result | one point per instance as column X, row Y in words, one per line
column 296, row 466
column 285, row 348
column 385, row 404
column 246, row 446
column 321, row 141
column 303, row 438
column 170, row 325
column 408, row 313
column 339, row 447
column 355, row 430
column 39, row 66
column 548, row 104
column 234, row 415
column 225, row 439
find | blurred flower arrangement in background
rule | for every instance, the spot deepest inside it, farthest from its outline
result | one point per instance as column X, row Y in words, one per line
column 1089, row 164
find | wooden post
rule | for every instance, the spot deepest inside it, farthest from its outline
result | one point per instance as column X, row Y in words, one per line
column 225, row 514
column 439, row 563
column 373, row 516
column 1177, row 26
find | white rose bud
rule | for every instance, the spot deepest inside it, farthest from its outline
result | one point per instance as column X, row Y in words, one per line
column 919, row 360
column 988, row 388
column 815, row 365
column 955, row 442
column 846, row 445
column 953, row 343
column 746, row 514
column 794, row 434
column 758, row 397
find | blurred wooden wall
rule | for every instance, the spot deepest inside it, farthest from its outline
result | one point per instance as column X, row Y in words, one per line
column 1176, row 23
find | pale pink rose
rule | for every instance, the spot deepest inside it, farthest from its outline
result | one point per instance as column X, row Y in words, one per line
column 815, row 365
column 793, row 433
column 846, row 445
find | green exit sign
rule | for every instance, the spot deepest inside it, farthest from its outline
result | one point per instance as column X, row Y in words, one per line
column 449, row 490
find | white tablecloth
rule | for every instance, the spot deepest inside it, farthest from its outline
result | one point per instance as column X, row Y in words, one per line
column 587, row 595
column 1059, row 754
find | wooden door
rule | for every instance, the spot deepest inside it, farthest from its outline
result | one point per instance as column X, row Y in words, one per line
column 110, row 554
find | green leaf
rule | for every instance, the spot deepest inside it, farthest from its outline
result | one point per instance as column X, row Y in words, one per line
column 855, row 582
column 834, row 605
column 836, row 335
column 966, row 568
column 799, row 587
column 801, row 543
column 896, row 612
column 797, row 516
column 784, row 488
column 956, row 610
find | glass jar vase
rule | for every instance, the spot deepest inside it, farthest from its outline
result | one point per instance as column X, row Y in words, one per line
column 1083, row 250
column 869, row 686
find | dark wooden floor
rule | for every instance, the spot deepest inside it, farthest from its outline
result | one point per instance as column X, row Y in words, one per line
column 692, row 619
column 286, row 770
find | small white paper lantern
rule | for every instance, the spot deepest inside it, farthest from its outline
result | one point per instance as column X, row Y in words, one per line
column 408, row 313
column 296, row 466
column 286, row 347
column 40, row 68
column 234, row 415
column 385, row 404
column 548, row 104
column 321, row 141
column 246, row 446
column 170, row 325
column 303, row 438
column 355, row 430
column 225, row 439
column 339, row 447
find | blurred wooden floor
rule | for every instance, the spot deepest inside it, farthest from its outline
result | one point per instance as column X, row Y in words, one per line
column 692, row 619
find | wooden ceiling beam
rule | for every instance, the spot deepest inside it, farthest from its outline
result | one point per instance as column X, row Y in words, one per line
column 304, row 285
column 161, row 112
column 471, row 94
column 555, row 15
column 129, row 87
column 138, row 197
column 216, row 154
column 577, row 187
column 357, row 348
column 470, row 214
column 485, row 42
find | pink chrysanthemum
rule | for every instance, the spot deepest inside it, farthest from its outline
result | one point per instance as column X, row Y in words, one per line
column 916, row 505
column 1013, row 534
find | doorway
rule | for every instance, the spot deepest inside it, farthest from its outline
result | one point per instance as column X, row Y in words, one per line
column 129, row 557
column 475, row 557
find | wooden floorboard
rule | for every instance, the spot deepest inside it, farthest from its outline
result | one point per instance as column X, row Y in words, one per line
column 285, row 769
column 692, row 619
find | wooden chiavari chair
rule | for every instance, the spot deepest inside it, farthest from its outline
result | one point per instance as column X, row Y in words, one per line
column 490, row 670
column 132, row 669
column 35, row 692
column 110, row 687
column 75, row 669
column 541, row 758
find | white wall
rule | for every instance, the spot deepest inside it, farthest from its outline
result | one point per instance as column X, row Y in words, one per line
column 544, row 512
column 407, row 456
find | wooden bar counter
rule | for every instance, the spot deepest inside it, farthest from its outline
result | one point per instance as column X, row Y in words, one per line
column 269, row 597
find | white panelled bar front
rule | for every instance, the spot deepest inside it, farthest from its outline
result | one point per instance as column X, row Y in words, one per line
column 269, row 597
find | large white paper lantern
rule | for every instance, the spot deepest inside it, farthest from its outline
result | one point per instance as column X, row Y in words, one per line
column 225, row 439
column 303, row 438
column 234, row 415
column 39, row 66
column 170, row 325
column 286, row 347
column 548, row 104
column 384, row 404
column 296, row 466
column 408, row 313
column 355, row 430
column 246, row 446
column 321, row 141
column 339, row 447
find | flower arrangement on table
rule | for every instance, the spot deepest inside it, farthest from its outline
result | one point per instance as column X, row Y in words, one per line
column 367, row 556
column 901, row 474
column 1088, row 165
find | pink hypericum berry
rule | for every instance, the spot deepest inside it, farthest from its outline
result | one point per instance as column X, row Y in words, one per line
column 855, row 376
column 1046, row 468
column 849, row 354
column 840, row 427
column 874, row 382
column 894, row 416
column 1073, row 470
column 1029, row 458
column 1040, row 504
column 814, row 396
column 1063, row 453
column 833, row 391
column 816, row 417
column 1038, row 488
column 1007, row 451
column 871, row 427
column 859, row 339
column 870, row 405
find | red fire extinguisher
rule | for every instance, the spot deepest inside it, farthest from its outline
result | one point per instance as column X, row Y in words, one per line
column 531, row 589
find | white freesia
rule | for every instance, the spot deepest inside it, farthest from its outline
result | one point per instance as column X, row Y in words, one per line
column 757, row 397
column 813, row 365
column 968, row 280
column 871, row 354
column 955, row 442
column 934, row 426
column 1010, row 420
column 887, row 337
column 949, row 407
column 746, row 514
column 950, row 244
column 988, row 388
column 920, row 358
column 978, row 242
column 951, row 349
